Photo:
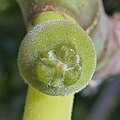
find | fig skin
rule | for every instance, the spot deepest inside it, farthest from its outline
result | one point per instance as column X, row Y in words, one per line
column 50, row 35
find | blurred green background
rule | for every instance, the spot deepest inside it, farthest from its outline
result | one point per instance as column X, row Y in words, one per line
column 12, row 87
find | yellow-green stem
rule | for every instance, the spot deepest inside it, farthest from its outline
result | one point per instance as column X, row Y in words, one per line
column 40, row 106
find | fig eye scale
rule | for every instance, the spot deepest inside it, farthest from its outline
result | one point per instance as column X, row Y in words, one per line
column 58, row 67
column 57, row 58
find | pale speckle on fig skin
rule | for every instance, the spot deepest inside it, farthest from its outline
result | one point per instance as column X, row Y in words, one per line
column 51, row 55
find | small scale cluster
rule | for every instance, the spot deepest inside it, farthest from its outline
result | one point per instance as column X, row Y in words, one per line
column 59, row 67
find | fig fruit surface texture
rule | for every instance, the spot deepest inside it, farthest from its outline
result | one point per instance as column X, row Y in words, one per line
column 57, row 58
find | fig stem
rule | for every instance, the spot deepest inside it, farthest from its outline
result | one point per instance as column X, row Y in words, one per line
column 40, row 106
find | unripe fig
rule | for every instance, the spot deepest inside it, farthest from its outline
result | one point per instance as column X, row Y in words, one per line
column 57, row 58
